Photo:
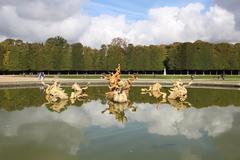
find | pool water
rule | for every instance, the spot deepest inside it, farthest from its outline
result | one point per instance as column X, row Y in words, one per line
column 150, row 129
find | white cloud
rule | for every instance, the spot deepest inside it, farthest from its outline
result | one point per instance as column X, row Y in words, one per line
column 36, row 30
column 103, row 29
column 189, row 23
column 40, row 19
column 231, row 6
column 53, row 10
column 162, row 26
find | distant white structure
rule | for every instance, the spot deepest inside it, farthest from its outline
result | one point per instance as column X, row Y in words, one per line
column 164, row 72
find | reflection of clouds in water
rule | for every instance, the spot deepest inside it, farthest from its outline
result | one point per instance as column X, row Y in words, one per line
column 54, row 134
column 160, row 121
column 88, row 115
column 96, row 118
column 63, row 131
column 192, row 122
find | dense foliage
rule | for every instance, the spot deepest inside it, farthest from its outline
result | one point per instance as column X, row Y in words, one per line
column 204, row 56
column 57, row 54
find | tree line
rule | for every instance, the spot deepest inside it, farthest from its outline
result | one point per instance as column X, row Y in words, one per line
column 57, row 54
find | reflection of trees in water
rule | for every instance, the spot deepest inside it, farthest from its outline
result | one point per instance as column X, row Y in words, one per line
column 119, row 109
column 201, row 97
column 18, row 99
column 198, row 97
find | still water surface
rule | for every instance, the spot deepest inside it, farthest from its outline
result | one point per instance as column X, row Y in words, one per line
column 31, row 130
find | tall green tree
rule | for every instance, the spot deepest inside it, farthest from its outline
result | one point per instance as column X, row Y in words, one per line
column 77, row 56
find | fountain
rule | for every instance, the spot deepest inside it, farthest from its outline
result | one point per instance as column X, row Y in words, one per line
column 155, row 91
column 118, row 89
column 176, row 98
column 54, row 92
column 79, row 93
column 178, row 91
column 57, row 98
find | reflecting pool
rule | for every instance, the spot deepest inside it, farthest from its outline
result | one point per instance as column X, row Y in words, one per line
column 94, row 129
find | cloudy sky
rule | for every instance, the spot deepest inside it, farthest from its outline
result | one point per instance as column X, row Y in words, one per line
column 94, row 22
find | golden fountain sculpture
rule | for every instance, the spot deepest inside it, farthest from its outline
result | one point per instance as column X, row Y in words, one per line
column 79, row 93
column 118, row 94
column 57, row 98
column 155, row 91
column 178, row 91
column 177, row 94
column 54, row 92
column 118, row 89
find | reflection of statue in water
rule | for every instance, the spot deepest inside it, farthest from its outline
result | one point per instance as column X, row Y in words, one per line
column 55, row 92
column 178, row 91
column 155, row 91
column 118, row 89
column 58, row 106
column 79, row 93
column 118, row 110
column 179, row 104
column 57, row 99
column 177, row 97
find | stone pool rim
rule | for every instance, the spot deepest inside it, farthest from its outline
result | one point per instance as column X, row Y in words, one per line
column 221, row 84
